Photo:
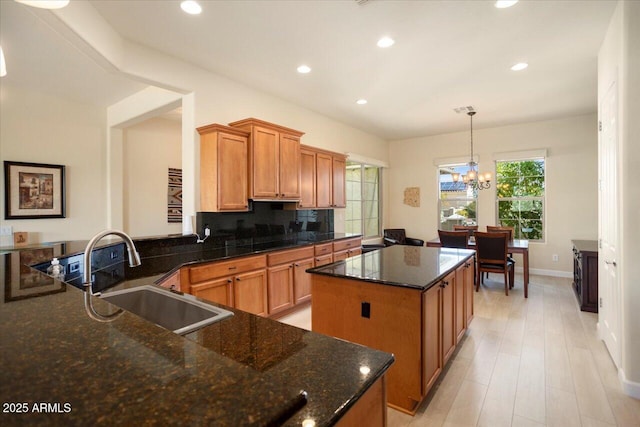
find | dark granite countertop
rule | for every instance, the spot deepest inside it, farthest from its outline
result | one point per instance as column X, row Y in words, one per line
column 407, row 266
column 244, row 370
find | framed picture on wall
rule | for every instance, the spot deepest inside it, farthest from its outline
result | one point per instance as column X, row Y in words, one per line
column 33, row 190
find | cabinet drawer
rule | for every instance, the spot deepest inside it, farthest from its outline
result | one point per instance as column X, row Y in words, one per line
column 226, row 268
column 283, row 257
column 324, row 249
column 346, row 244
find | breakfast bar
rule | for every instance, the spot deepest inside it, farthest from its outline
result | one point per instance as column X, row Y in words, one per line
column 62, row 367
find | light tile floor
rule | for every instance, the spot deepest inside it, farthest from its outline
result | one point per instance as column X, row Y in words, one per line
column 523, row 362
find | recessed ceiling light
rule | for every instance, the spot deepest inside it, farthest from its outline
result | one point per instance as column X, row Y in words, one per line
column 191, row 7
column 503, row 4
column 361, row 101
column 386, row 42
column 520, row 66
column 45, row 4
column 304, row 69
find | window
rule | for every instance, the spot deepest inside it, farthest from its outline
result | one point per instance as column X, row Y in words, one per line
column 363, row 199
column 457, row 205
column 520, row 197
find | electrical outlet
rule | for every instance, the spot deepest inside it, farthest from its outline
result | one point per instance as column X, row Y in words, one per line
column 6, row 230
column 554, row 257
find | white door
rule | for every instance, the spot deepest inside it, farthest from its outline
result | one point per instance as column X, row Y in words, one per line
column 608, row 283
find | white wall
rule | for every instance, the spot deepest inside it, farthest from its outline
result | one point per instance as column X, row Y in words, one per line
column 44, row 129
column 571, row 181
column 619, row 61
column 150, row 148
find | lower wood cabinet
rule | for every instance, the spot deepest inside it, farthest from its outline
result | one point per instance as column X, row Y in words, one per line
column 302, row 280
column 218, row 290
column 469, row 284
column 449, row 336
column 250, row 292
column 432, row 327
column 344, row 249
column 239, row 283
column 280, row 288
column 266, row 285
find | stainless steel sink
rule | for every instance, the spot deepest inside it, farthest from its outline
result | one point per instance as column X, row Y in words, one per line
column 177, row 312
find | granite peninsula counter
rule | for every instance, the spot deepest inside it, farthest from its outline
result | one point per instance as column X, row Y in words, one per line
column 414, row 302
column 244, row 370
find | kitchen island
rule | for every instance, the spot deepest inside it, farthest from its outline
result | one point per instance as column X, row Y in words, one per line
column 414, row 302
column 60, row 367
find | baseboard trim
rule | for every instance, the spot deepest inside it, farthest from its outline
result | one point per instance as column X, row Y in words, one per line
column 552, row 273
column 630, row 388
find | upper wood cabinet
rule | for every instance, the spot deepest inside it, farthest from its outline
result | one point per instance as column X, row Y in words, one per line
column 223, row 168
column 338, row 186
column 326, row 176
column 274, row 160
column 307, row 178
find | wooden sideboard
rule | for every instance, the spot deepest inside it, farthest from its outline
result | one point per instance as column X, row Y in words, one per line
column 585, row 274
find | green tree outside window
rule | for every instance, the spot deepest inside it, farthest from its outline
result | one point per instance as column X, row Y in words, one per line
column 520, row 189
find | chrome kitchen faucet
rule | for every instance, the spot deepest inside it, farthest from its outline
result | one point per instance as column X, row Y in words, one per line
column 87, row 282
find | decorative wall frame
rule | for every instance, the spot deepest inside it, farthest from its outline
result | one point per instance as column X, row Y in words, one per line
column 174, row 196
column 33, row 190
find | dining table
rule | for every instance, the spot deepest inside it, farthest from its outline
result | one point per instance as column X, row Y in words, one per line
column 515, row 246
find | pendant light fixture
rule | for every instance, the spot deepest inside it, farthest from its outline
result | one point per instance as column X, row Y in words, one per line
column 473, row 179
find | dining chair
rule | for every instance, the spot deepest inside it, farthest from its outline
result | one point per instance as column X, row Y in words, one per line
column 454, row 239
column 491, row 253
column 469, row 228
column 501, row 229
column 398, row 236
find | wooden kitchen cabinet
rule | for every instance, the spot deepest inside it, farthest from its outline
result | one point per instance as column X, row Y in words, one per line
column 330, row 173
column 302, row 280
column 239, row 283
column 344, row 249
column 432, row 326
column 274, row 160
column 439, row 340
column 307, row 178
column 287, row 280
column 250, row 292
column 338, row 184
column 323, row 260
column 449, row 337
column 459, row 295
column 469, row 284
column 324, row 179
column 280, row 288
column 223, row 168
column 171, row 282
column 217, row 290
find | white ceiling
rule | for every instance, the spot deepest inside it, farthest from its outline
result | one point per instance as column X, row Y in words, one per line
column 447, row 54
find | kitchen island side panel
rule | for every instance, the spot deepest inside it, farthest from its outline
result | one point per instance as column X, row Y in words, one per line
column 339, row 309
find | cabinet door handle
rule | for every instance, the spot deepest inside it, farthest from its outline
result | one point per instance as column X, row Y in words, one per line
column 297, row 265
column 290, row 265
column 232, row 268
column 442, row 285
column 229, row 280
column 238, row 279
column 611, row 262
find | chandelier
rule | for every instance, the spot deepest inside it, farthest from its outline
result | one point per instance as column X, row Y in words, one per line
column 473, row 179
